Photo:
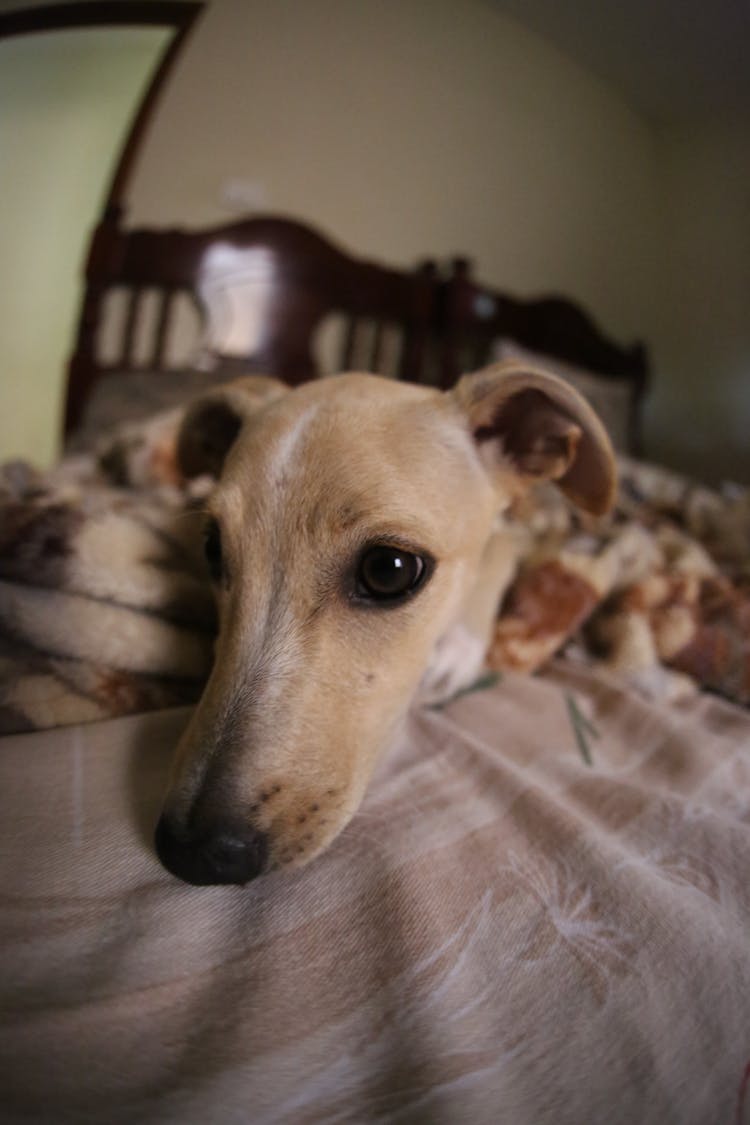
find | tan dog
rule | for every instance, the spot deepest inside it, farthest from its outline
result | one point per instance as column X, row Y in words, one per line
column 356, row 553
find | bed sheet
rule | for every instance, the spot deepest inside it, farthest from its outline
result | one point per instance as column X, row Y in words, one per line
column 540, row 914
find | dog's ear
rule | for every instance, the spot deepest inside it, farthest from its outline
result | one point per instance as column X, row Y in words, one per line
column 213, row 421
column 542, row 428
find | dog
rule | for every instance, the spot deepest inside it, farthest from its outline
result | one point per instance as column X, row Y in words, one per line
column 356, row 545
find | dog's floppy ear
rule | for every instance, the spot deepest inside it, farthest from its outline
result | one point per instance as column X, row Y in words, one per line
column 543, row 429
column 213, row 421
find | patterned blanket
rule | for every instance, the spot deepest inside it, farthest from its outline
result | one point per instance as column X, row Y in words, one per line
column 105, row 608
column 658, row 593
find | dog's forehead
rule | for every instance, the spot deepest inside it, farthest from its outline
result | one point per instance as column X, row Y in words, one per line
column 360, row 427
column 355, row 447
column 339, row 402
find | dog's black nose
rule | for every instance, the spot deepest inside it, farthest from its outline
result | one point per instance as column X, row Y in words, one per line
column 213, row 856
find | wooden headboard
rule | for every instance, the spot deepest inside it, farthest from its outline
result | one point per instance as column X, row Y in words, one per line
column 282, row 279
column 289, row 278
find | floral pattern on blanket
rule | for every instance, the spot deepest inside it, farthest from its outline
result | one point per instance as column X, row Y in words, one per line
column 105, row 608
column 658, row 593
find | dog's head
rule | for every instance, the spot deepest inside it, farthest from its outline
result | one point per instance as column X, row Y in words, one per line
column 343, row 537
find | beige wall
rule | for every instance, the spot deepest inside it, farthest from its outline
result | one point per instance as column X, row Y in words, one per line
column 407, row 127
column 700, row 408
column 413, row 127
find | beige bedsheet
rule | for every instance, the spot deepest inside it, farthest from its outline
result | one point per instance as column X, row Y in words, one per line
column 504, row 934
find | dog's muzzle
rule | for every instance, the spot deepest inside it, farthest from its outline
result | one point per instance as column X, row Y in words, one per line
column 213, row 856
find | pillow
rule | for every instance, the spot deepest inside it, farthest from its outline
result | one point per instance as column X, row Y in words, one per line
column 610, row 396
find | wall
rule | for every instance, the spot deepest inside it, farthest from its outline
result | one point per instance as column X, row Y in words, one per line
column 407, row 127
column 700, row 410
column 65, row 98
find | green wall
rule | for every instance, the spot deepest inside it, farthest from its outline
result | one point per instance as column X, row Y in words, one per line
column 65, row 100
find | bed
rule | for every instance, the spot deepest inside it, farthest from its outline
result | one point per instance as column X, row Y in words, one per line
column 539, row 914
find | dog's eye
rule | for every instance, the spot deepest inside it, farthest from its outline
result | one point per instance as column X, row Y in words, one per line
column 212, row 549
column 388, row 574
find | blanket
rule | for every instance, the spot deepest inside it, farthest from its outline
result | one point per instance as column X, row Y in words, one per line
column 503, row 935
column 106, row 608
column 658, row 593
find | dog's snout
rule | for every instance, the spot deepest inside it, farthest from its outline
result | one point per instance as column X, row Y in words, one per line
column 212, row 856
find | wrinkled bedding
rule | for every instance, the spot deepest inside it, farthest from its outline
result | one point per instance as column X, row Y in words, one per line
column 105, row 608
column 505, row 933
